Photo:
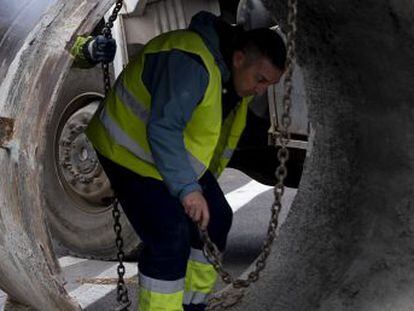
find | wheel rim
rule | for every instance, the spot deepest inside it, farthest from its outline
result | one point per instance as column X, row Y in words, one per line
column 79, row 171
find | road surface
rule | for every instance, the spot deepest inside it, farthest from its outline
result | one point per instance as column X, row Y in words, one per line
column 250, row 201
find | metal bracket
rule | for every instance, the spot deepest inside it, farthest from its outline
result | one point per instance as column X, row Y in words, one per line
column 272, row 135
column 6, row 130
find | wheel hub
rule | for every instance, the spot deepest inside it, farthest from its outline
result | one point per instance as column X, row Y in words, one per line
column 77, row 161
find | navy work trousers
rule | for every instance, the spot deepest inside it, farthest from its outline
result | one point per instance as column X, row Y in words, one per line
column 160, row 220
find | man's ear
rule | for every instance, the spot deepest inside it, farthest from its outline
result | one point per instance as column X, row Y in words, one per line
column 239, row 58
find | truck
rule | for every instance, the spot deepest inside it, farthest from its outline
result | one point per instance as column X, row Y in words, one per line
column 66, row 183
column 347, row 242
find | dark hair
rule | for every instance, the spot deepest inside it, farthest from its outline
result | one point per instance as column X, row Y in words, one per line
column 264, row 42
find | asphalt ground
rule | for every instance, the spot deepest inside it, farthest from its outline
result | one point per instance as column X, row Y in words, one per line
column 251, row 203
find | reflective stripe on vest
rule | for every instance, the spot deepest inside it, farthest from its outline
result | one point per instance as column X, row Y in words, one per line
column 141, row 113
column 227, row 153
column 128, row 143
column 122, row 138
column 231, row 131
column 119, row 131
column 129, row 100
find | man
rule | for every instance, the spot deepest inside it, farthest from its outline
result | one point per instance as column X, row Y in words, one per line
column 166, row 131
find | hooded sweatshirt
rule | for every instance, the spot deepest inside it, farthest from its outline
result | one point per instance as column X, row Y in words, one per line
column 177, row 82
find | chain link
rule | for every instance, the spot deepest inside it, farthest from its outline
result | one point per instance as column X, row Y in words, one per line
column 234, row 294
column 121, row 289
column 106, row 31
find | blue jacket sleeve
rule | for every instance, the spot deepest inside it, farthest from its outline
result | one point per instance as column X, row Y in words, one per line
column 177, row 82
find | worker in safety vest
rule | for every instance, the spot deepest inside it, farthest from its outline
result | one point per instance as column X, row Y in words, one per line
column 166, row 131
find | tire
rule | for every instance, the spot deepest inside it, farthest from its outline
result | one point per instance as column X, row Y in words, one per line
column 254, row 157
column 80, row 223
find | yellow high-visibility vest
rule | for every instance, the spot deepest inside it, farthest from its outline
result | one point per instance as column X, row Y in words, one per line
column 118, row 130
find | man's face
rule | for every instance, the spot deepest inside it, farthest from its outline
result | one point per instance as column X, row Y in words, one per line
column 252, row 76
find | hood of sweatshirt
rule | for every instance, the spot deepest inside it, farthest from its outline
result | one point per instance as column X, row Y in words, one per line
column 204, row 23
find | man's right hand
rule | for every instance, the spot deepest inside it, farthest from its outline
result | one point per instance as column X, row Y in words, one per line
column 196, row 207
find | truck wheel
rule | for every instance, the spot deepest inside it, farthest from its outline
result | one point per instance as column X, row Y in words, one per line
column 79, row 222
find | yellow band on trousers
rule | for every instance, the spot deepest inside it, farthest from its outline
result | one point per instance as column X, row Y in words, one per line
column 159, row 295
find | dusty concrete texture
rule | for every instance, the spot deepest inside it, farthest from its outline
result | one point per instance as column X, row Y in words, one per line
column 347, row 243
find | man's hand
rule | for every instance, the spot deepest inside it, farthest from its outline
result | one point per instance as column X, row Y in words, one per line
column 101, row 49
column 195, row 206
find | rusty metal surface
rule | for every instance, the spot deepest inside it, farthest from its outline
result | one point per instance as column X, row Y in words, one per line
column 34, row 62
column 6, row 130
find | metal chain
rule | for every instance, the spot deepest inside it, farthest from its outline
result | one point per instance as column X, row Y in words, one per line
column 106, row 31
column 235, row 293
column 228, row 297
column 122, row 291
